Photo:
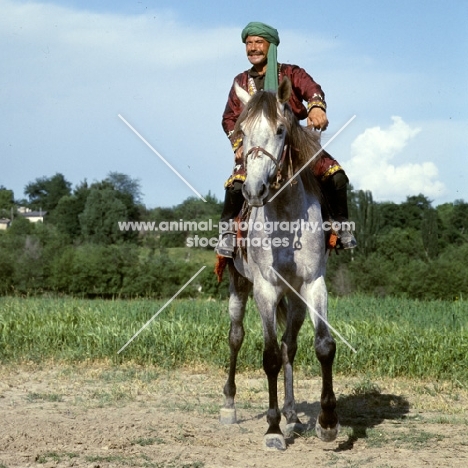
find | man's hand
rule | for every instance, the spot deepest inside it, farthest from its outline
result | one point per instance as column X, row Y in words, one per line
column 317, row 119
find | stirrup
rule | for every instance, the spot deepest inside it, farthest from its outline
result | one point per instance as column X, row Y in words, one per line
column 226, row 244
column 346, row 239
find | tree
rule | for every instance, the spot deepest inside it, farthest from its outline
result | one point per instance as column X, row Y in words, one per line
column 192, row 209
column 429, row 233
column 124, row 184
column 459, row 219
column 45, row 192
column 7, row 202
column 67, row 212
column 100, row 218
column 408, row 214
column 127, row 190
column 366, row 218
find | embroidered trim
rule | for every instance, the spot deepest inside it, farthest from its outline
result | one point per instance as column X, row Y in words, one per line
column 252, row 89
column 233, row 178
column 312, row 104
column 331, row 170
column 237, row 144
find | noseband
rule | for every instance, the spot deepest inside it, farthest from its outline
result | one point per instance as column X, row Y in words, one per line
column 256, row 152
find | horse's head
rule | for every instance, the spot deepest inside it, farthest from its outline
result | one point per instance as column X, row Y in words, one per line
column 263, row 129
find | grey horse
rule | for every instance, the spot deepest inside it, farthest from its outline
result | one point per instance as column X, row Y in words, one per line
column 283, row 258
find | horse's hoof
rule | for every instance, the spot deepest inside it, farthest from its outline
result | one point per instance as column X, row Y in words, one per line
column 228, row 416
column 294, row 429
column 327, row 435
column 274, row 442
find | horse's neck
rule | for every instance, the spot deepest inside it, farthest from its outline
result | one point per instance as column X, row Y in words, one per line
column 292, row 203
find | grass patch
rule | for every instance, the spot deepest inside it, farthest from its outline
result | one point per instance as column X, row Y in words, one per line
column 412, row 438
column 107, row 459
column 112, row 397
column 49, row 397
column 146, row 441
column 117, row 374
column 143, row 461
column 55, row 456
column 366, row 387
column 394, row 337
column 418, row 438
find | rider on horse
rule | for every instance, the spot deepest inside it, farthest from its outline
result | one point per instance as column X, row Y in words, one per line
column 261, row 43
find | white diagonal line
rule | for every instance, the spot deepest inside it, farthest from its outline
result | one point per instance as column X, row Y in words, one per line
column 314, row 311
column 162, row 308
column 313, row 157
column 160, row 157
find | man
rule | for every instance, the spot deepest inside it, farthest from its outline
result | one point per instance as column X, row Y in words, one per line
column 261, row 43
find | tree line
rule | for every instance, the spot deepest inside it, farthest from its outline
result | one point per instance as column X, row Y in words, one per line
column 410, row 249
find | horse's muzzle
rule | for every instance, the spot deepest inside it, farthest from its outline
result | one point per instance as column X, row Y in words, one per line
column 255, row 196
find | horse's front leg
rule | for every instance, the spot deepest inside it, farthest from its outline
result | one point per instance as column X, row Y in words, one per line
column 272, row 362
column 295, row 319
column 239, row 293
column 327, row 425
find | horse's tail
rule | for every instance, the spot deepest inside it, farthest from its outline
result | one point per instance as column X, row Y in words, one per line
column 282, row 313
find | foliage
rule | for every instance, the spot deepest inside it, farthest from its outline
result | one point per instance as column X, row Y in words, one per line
column 393, row 337
column 408, row 214
column 410, row 249
column 193, row 210
column 45, row 192
column 7, row 202
column 417, row 251
column 364, row 213
column 101, row 215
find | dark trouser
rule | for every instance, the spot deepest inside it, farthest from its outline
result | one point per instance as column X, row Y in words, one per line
column 335, row 193
column 233, row 201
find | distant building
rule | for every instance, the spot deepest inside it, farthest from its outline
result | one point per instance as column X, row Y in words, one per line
column 4, row 224
column 33, row 216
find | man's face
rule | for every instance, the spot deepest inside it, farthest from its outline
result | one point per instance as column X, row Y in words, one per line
column 257, row 50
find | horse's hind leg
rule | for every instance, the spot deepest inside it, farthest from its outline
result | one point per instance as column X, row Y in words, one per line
column 295, row 319
column 327, row 426
column 239, row 292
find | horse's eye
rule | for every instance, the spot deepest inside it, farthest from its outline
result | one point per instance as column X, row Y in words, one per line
column 280, row 131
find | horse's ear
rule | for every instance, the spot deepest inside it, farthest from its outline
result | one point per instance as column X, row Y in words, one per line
column 242, row 94
column 284, row 90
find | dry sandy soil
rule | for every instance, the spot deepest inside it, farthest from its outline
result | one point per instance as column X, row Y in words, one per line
column 104, row 416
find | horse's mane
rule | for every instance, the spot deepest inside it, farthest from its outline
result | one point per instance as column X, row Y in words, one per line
column 304, row 142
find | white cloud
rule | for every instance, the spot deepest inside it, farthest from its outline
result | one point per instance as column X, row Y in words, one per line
column 371, row 167
column 67, row 73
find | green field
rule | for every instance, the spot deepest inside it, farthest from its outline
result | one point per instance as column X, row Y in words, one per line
column 393, row 337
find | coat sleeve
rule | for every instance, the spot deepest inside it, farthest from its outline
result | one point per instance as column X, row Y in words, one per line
column 231, row 113
column 306, row 89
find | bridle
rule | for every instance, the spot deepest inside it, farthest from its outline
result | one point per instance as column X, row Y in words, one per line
column 256, row 152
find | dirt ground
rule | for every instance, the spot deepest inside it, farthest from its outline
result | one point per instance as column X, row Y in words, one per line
column 105, row 416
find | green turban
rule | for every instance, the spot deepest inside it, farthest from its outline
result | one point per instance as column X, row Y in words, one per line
column 271, row 35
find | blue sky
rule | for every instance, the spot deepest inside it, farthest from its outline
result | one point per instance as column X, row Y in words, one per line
column 69, row 68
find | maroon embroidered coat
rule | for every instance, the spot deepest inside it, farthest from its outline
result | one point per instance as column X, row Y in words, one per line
column 304, row 89
column 303, row 86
